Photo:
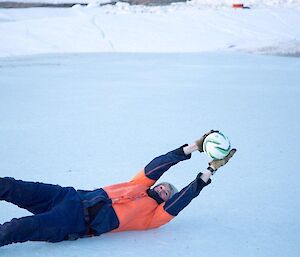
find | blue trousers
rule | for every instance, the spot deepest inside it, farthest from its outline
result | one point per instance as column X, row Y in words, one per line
column 57, row 212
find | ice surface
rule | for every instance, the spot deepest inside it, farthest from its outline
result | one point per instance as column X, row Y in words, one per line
column 90, row 120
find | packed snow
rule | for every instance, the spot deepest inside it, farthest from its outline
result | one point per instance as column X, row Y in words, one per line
column 89, row 95
column 90, row 120
column 181, row 27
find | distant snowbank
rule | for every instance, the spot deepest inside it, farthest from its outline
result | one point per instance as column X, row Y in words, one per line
column 251, row 3
column 125, row 28
column 199, row 3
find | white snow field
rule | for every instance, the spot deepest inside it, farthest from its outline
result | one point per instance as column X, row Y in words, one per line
column 90, row 95
column 90, row 120
column 183, row 27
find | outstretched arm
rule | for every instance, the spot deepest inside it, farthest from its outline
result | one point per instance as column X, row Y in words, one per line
column 168, row 210
column 159, row 165
column 180, row 200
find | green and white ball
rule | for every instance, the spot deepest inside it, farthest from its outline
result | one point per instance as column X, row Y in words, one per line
column 216, row 145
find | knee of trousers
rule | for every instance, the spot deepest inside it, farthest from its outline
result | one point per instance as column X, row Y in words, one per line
column 18, row 230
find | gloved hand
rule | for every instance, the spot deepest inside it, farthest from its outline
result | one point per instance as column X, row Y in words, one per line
column 200, row 141
column 216, row 164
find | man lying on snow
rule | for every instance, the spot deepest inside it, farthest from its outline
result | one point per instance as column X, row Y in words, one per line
column 63, row 213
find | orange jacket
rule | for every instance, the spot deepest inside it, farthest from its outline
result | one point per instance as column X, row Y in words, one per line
column 134, row 208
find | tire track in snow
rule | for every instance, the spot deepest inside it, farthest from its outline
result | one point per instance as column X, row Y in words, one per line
column 102, row 32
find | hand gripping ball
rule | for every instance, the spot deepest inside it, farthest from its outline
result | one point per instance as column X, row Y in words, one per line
column 216, row 145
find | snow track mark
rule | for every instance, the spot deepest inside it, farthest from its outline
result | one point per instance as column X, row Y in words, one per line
column 102, row 32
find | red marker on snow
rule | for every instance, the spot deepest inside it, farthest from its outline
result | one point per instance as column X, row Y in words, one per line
column 237, row 5
column 241, row 6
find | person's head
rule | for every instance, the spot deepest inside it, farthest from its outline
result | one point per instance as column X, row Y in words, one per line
column 165, row 190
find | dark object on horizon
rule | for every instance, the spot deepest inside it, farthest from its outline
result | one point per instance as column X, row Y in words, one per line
column 10, row 4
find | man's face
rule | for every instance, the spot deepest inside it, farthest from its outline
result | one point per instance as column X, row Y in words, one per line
column 164, row 191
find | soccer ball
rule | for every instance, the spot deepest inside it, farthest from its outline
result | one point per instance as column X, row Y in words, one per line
column 216, row 145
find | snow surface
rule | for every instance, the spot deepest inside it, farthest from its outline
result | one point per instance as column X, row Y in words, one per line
column 181, row 27
column 90, row 120
column 88, row 96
